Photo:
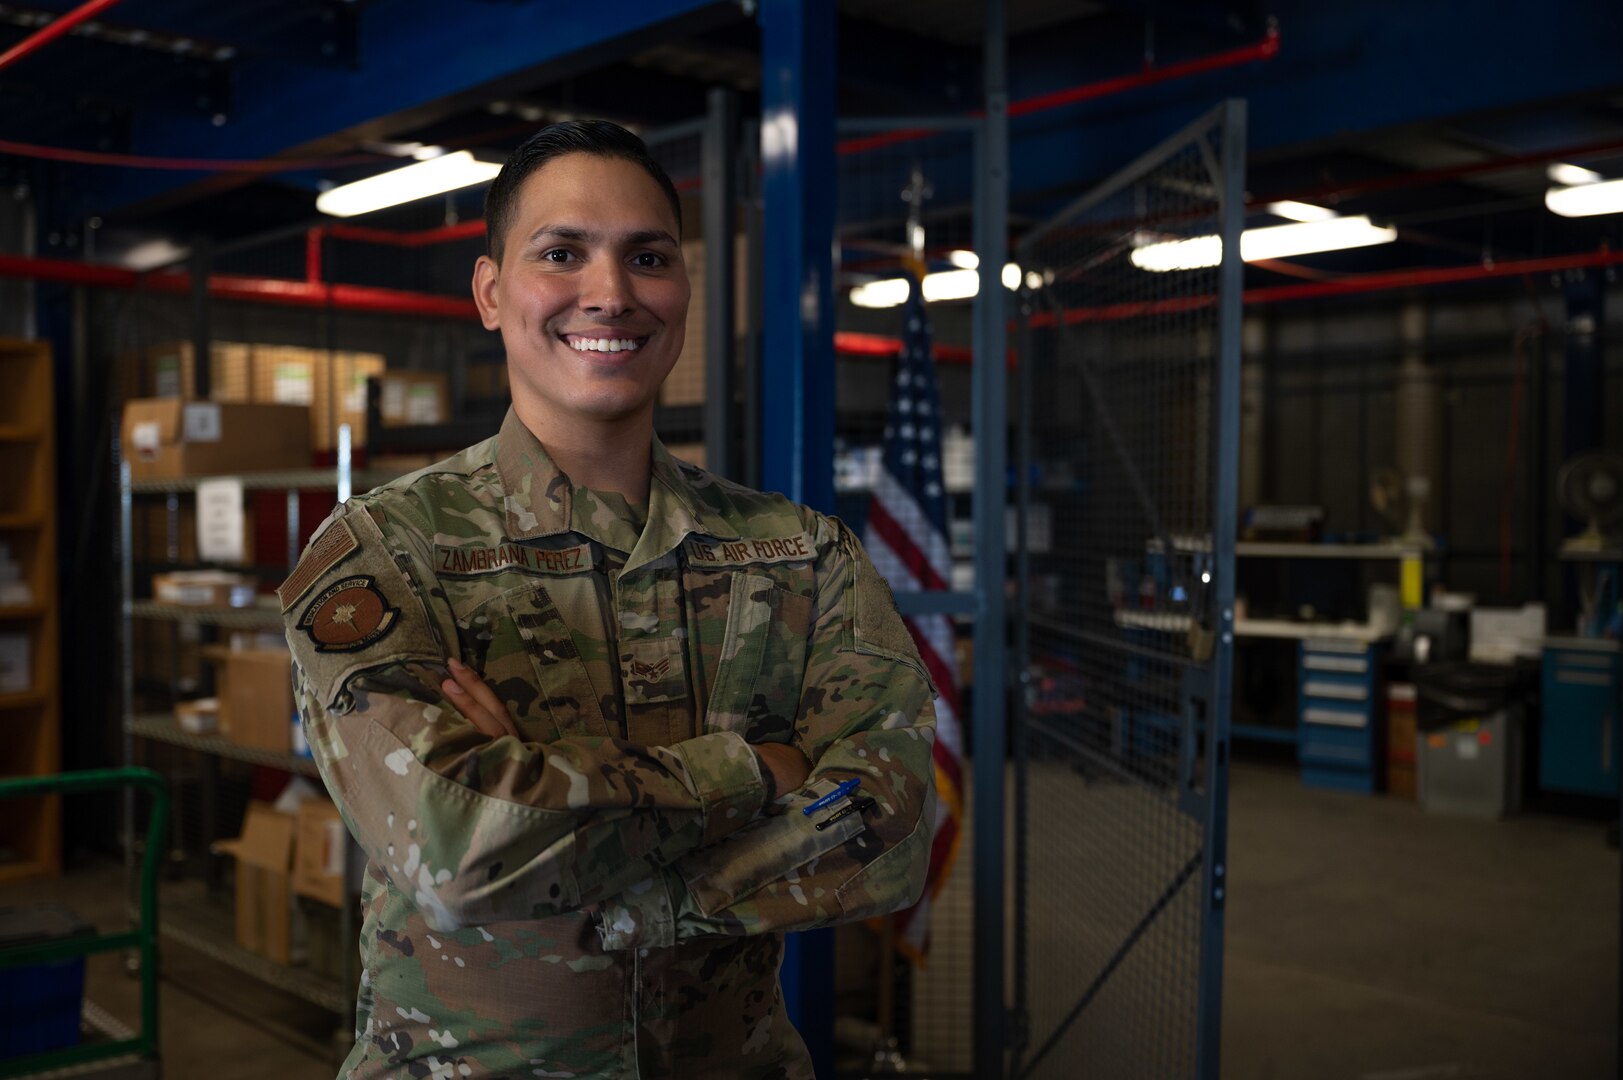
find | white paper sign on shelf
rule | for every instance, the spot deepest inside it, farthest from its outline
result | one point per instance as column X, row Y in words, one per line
column 219, row 520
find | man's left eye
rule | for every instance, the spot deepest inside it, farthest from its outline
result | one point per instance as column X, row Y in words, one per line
column 648, row 259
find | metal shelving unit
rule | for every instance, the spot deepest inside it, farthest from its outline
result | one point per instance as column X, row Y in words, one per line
column 204, row 924
column 195, row 914
column 161, row 727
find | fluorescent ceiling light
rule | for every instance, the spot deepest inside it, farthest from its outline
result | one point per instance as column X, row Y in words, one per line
column 1586, row 200
column 1299, row 211
column 1273, row 242
column 942, row 285
column 964, row 260
column 433, row 177
column 1572, row 175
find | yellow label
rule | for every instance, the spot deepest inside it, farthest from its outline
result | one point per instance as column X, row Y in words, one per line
column 1412, row 584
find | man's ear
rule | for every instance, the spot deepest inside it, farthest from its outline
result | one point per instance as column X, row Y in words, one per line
column 485, row 275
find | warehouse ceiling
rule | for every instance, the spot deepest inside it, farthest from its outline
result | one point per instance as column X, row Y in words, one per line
column 1438, row 117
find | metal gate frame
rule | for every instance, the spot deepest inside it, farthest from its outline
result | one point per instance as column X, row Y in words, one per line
column 1211, row 702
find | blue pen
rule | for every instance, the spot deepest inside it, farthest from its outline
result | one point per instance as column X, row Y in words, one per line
column 846, row 787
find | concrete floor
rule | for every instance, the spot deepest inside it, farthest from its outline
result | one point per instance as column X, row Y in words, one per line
column 1365, row 941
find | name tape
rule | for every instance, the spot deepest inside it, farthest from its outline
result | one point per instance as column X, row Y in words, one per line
column 469, row 561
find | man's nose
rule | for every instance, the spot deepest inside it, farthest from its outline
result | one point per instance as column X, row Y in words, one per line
column 606, row 288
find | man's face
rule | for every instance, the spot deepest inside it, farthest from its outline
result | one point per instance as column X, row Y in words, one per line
column 591, row 296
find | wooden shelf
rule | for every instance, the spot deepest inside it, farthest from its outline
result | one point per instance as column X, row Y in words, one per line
column 33, row 717
column 23, row 870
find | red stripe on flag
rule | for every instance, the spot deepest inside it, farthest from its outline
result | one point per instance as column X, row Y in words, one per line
column 896, row 538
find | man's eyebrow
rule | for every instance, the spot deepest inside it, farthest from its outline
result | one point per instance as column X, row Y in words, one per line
column 589, row 236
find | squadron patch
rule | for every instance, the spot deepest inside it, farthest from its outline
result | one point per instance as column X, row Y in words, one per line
column 348, row 615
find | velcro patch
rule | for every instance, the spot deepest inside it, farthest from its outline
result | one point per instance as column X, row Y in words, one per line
column 471, row 561
column 348, row 615
column 335, row 544
column 747, row 552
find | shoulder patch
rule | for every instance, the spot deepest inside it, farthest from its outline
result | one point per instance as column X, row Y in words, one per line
column 347, row 615
column 335, row 544
column 877, row 627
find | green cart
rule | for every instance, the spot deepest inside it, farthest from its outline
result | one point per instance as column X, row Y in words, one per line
column 125, row 1057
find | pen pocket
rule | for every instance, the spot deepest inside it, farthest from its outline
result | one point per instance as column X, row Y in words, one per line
column 739, row 867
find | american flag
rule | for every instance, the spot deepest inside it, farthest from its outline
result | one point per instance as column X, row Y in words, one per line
column 907, row 539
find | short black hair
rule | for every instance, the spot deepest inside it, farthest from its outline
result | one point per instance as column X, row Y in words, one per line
column 600, row 138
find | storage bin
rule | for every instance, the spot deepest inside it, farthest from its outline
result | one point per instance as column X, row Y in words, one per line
column 40, row 1003
column 1469, row 753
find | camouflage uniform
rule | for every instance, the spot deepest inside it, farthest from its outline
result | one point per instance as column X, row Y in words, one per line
column 606, row 896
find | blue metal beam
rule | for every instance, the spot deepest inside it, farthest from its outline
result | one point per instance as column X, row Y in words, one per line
column 418, row 59
column 1342, row 69
column 797, row 380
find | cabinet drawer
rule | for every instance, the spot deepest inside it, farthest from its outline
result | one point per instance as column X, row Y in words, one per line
column 1333, row 689
column 1346, row 665
column 1326, row 744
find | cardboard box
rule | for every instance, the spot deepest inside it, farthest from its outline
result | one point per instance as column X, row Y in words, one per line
column 1400, row 740
column 318, row 853
column 685, row 385
column 199, row 717
column 331, row 385
column 204, row 588
column 264, row 854
column 410, row 398
column 255, row 688
column 170, row 438
column 483, row 381
column 342, row 398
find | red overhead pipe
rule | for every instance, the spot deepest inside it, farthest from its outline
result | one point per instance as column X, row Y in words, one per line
column 853, row 344
column 1351, row 284
column 462, row 231
column 1266, row 49
column 255, row 290
column 53, row 30
column 312, row 255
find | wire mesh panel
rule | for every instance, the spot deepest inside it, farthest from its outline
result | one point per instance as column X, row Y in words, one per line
column 1122, row 362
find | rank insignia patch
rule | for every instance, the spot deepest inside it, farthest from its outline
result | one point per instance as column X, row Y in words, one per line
column 348, row 615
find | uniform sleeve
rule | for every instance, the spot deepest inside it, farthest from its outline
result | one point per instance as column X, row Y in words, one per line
column 865, row 712
column 478, row 829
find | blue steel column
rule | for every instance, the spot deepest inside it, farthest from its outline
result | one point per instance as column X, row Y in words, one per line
column 1225, row 526
column 991, row 417
column 797, row 376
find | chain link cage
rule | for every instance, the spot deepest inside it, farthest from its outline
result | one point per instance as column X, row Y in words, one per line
column 1119, row 358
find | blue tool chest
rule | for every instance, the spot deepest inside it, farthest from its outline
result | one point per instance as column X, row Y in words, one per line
column 1578, row 734
column 1335, row 714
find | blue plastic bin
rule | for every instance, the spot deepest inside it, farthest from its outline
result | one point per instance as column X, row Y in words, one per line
column 40, row 1004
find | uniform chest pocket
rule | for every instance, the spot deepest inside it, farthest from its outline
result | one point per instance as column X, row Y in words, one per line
column 520, row 643
column 756, row 691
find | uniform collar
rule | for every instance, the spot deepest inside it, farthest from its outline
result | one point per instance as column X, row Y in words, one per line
column 538, row 496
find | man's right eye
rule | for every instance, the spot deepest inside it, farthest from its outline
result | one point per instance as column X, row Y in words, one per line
column 557, row 255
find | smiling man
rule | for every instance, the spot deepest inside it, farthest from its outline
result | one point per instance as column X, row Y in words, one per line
column 595, row 714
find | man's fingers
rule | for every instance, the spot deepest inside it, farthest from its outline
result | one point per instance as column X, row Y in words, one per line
column 476, row 702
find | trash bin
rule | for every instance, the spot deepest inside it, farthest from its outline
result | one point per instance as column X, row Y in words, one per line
column 40, row 1003
column 1469, row 753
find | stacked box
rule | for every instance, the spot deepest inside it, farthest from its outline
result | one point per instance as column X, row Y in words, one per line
column 685, row 384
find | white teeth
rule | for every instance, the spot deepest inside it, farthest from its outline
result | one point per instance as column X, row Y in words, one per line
column 603, row 344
